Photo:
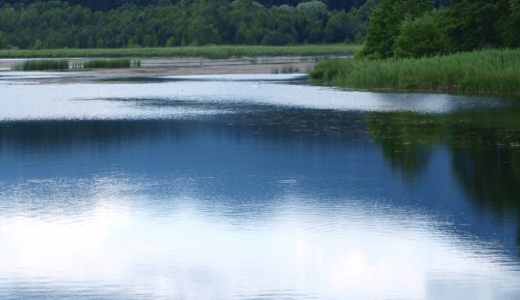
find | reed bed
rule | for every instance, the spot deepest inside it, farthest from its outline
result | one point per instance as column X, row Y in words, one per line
column 43, row 64
column 487, row 71
column 215, row 51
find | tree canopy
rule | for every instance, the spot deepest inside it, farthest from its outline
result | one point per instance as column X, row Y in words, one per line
column 55, row 24
column 415, row 28
column 97, row 5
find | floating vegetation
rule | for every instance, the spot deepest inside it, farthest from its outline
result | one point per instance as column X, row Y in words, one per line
column 41, row 65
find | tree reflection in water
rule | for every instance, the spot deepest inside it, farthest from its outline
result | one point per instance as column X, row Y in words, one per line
column 484, row 148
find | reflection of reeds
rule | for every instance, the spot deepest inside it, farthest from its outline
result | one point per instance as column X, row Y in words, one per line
column 40, row 65
column 111, row 63
column 488, row 71
column 285, row 70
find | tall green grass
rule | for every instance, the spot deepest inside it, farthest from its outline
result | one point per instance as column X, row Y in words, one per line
column 217, row 52
column 40, row 65
column 487, row 71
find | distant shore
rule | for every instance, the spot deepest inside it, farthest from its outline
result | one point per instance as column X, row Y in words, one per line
column 151, row 67
column 211, row 52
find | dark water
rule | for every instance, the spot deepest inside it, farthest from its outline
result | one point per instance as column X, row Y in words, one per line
column 223, row 188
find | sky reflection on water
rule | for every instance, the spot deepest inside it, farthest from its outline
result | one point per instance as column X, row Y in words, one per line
column 132, row 191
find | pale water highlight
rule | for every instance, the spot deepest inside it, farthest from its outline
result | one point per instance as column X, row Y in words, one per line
column 205, row 188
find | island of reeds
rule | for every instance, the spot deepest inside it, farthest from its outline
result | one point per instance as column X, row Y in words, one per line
column 42, row 64
column 468, row 46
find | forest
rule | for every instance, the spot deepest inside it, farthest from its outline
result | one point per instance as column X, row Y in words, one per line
column 414, row 28
column 469, row 46
column 165, row 23
column 96, row 5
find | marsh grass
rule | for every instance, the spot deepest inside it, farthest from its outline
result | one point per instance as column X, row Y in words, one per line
column 212, row 52
column 487, row 71
column 42, row 64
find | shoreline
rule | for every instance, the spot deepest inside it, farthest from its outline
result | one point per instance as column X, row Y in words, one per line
column 153, row 67
column 479, row 72
column 210, row 52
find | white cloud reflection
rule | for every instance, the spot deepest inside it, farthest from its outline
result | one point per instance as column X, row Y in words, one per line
column 188, row 252
column 95, row 101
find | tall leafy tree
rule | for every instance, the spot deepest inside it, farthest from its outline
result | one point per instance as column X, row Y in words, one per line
column 473, row 24
column 385, row 22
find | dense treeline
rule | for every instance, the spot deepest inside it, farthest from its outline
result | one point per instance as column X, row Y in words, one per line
column 414, row 28
column 410, row 45
column 55, row 24
column 96, row 5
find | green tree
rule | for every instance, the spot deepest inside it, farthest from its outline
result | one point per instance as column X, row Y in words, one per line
column 3, row 40
column 275, row 38
column 38, row 44
column 202, row 33
column 385, row 22
column 473, row 24
column 149, row 40
column 420, row 37
column 339, row 27
column 171, row 42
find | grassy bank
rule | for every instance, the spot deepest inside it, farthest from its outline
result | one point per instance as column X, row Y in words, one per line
column 488, row 71
column 207, row 52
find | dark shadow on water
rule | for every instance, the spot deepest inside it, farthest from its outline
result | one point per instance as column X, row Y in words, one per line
column 484, row 149
column 250, row 160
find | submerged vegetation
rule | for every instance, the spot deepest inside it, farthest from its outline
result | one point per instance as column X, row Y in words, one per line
column 39, row 65
column 487, row 71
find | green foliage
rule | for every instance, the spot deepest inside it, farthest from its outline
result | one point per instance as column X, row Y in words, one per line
column 116, row 4
column 420, row 37
column 411, row 28
column 200, row 22
column 206, row 51
column 359, row 38
column 472, row 24
column 488, row 71
column 3, row 40
column 40, row 65
column 385, row 22
column 276, row 38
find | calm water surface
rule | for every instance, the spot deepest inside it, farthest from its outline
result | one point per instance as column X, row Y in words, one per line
column 254, row 187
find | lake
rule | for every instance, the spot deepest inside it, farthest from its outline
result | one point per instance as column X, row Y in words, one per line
column 254, row 187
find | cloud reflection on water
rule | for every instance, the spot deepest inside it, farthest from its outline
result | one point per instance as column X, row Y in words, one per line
column 304, row 247
column 132, row 191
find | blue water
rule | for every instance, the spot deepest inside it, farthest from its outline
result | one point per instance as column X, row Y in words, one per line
column 209, row 187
